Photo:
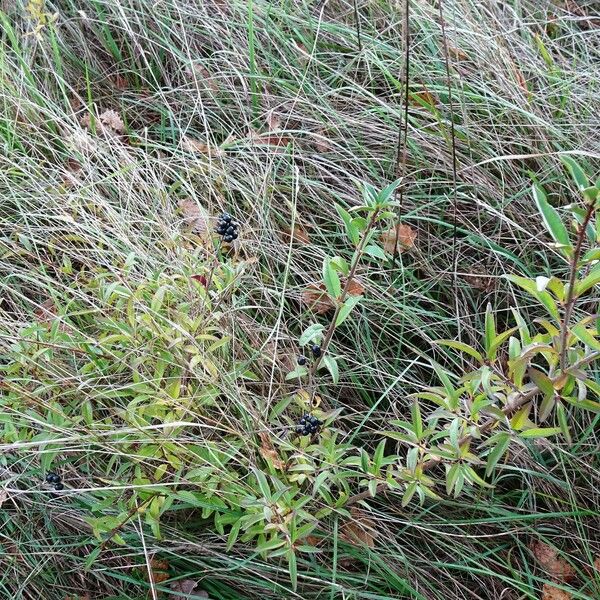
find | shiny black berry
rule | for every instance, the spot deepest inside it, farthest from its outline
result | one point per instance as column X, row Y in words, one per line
column 316, row 351
column 53, row 478
column 308, row 425
column 301, row 360
column 58, row 486
column 228, row 238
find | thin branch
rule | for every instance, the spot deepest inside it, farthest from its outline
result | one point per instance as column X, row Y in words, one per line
column 571, row 299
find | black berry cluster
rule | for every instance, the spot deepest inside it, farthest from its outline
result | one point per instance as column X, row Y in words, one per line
column 308, row 425
column 315, row 351
column 227, row 228
column 55, row 480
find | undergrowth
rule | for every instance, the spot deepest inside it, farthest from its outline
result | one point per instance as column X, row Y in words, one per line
column 430, row 300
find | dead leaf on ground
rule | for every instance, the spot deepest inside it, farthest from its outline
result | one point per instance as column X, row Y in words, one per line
column 3, row 497
column 402, row 237
column 317, row 298
column 187, row 587
column 425, row 96
column 479, row 279
column 360, row 530
column 556, row 567
column 273, row 121
column 597, row 564
column 158, row 570
column 267, row 139
column 268, row 452
column 109, row 123
column 355, row 287
column 457, row 53
column 549, row 592
column 197, row 147
column 195, row 218
column 299, row 235
column 322, row 142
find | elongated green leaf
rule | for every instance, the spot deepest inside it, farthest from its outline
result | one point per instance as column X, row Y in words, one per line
column 584, row 335
column 310, row 333
column 540, row 432
column 331, row 279
column 375, row 251
column 332, row 366
column 346, row 309
column 589, row 281
column 463, row 348
column 577, row 173
column 556, row 228
column 497, row 452
column 352, row 230
column 490, row 329
column 417, row 422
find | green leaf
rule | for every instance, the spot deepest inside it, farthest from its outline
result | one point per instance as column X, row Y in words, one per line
column 375, row 251
column 293, row 567
column 332, row 366
column 346, row 309
column 417, row 422
column 310, row 333
column 490, row 329
column 263, row 484
column 584, row 335
column 331, row 279
column 561, row 413
column 552, row 221
column 577, row 173
column 352, row 230
column 385, row 194
column 497, row 452
column 589, row 281
column 463, row 348
column 540, row 432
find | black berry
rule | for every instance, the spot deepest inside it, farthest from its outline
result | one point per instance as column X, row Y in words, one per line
column 316, row 351
column 302, row 360
column 308, row 425
column 53, row 478
column 58, row 486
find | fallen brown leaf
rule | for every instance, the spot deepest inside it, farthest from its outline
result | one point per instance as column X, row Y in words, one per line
column 321, row 141
column 112, row 120
column 317, row 298
column 597, row 563
column 195, row 218
column 187, row 588
column 424, row 95
column 480, row 280
column 549, row 592
column 268, row 452
column 273, row 121
column 556, row 567
column 268, row 140
column 457, row 53
column 360, row 530
column 159, row 570
column 299, row 235
column 402, row 237
column 109, row 123
column 355, row 287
